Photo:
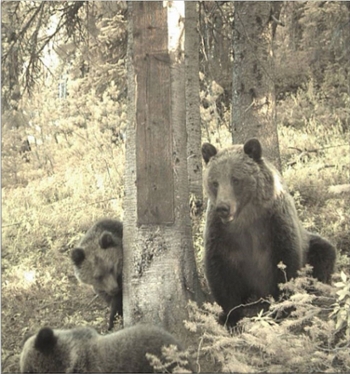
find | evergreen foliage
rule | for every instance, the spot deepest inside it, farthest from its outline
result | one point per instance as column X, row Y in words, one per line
column 270, row 342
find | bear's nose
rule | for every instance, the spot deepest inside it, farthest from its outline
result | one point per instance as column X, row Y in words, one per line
column 113, row 291
column 223, row 210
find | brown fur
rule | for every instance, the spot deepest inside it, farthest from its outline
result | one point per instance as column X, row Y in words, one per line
column 98, row 261
column 251, row 226
column 83, row 350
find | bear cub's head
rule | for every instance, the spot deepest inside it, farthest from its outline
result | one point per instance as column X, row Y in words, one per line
column 238, row 181
column 98, row 258
column 49, row 351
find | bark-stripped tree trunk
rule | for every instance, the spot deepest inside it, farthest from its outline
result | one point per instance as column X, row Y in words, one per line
column 253, row 101
column 193, row 120
column 159, row 274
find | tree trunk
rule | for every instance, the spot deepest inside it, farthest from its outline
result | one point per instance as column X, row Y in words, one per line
column 193, row 120
column 159, row 274
column 215, row 30
column 292, row 12
column 253, row 102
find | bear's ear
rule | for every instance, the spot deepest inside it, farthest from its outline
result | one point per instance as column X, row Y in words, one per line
column 106, row 240
column 45, row 341
column 208, row 151
column 253, row 149
column 78, row 256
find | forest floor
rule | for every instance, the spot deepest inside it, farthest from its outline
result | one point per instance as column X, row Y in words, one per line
column 39, row 230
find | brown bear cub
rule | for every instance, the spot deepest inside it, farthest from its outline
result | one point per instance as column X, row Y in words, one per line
column 251, row 226
column 83, row 350
column 98, row 261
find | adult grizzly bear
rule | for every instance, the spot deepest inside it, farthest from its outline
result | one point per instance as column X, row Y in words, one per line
column 98, row 261
column 83, row 350
column 251, row 226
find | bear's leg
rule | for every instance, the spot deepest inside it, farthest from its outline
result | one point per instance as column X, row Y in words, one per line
column 116, row 307
column 227, row 292
column 321, row 255
column 231, row 317
column 247, row 308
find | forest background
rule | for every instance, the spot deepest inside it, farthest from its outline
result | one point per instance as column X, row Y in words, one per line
column 64, row 113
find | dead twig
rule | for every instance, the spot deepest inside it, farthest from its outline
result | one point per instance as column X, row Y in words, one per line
column 317, row 149
column 339, row 189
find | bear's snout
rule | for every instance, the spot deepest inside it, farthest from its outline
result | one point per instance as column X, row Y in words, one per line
column 224, row 212
column 113, row 289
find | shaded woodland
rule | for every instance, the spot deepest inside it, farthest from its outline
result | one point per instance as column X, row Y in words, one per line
column 65, row 116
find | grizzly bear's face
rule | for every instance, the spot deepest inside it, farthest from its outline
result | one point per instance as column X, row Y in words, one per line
column 98, row 260
column 236, row 178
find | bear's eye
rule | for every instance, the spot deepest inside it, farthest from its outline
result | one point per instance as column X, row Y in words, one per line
column 99, row 278
column 235, row 181
column 215, row 185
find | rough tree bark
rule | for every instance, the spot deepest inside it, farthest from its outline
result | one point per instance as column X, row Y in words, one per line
column 193, row 120
column 253, row 101
column 159, row 274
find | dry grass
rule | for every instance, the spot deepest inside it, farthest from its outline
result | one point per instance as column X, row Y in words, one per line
column 49, row 203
